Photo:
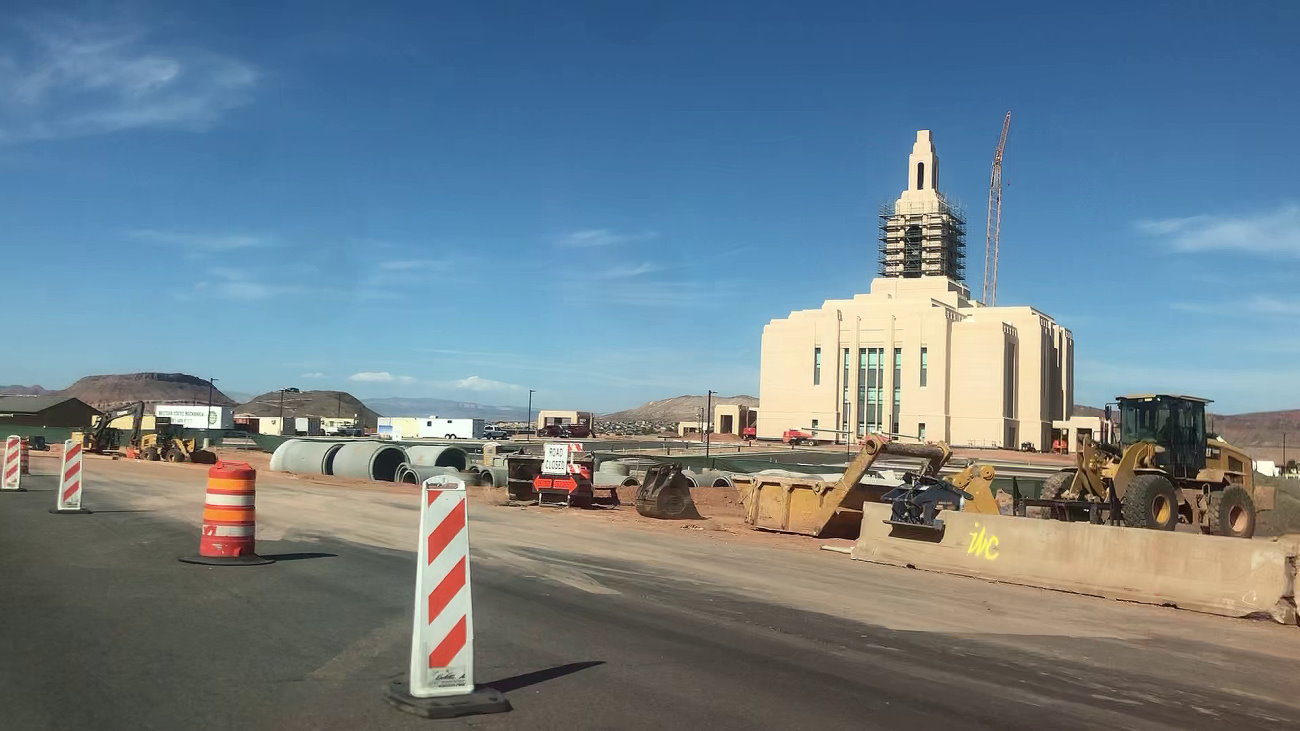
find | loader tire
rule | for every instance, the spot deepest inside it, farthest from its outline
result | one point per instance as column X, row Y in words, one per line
column 1150, row 502
column 1053, row 486
column 1232, row 513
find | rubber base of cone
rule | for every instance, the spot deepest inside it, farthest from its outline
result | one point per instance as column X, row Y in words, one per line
column 251, row 559
column 78, row 511
column 477, row 702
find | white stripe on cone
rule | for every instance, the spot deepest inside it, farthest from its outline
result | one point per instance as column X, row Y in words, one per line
column 230, row 501
column 229, row 531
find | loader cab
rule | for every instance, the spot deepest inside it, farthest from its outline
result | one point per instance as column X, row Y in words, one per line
column 1176, row 423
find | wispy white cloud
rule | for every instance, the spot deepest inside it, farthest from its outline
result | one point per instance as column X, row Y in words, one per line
column 210, row 242
column 379, row 377
column 595, row 237
column 313, row 374
column 413, row 265
column 477, row 383
column 1259, row 304
column 626, row 272
column 70, row 78
column 1273, row 232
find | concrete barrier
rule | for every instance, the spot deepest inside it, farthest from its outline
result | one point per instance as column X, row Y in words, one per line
column 1232, row 577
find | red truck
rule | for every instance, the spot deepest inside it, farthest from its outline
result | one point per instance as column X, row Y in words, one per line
column 796, row 437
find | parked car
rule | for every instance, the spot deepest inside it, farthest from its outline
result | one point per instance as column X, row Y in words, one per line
column 495, row 432
column 350, row 431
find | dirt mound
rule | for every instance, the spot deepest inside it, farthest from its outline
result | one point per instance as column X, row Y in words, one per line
column 310, row 403
column 678, row 408
column 104, row 392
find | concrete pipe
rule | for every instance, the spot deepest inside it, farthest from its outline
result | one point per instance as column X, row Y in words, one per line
column 493, row 476
column 614, row 468
column 692, row 478
column 714, row 478
column 277, row 457
column 311, row 458
column 437, row 456
column 369, row 461
column 416, row 474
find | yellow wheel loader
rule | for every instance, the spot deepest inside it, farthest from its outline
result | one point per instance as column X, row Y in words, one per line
column 1162, row 471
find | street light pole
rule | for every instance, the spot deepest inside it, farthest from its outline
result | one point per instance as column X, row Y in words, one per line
column 528, row 422
column 208, row 418
column 708, row 420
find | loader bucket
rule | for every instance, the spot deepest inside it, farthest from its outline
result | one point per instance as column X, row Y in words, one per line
column 806, row 506
column 666, row 494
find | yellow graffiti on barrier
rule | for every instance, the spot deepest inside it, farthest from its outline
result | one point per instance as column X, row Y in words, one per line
column 983, row 544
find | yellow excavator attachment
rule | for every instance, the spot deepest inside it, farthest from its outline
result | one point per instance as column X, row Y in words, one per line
column 813, row 507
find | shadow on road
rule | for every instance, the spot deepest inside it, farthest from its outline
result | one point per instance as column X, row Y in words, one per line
column 125, row 511
column 505, row 685
column 297, row 556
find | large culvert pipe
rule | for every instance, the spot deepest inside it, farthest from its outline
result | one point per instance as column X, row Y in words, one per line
column 277, row 457
column 416, row 474
column 614, row 468
column 437, row 456
column 311, row 458
column 493, row 476
column 714, row 478
column 368, row 461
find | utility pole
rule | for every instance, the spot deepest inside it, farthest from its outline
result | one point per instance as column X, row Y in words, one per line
column 529, row 420
column 708, row 420
column 282, row 392
column 208, row 418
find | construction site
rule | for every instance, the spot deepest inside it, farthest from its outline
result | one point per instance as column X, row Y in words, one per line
column 911, row 524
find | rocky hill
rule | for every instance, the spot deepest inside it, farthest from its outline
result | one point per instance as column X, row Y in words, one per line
column 673, row 410
column 104, row 392
column 310, row 403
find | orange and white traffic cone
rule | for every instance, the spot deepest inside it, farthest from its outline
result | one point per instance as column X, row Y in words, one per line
column 441, row 679
column 229, row 519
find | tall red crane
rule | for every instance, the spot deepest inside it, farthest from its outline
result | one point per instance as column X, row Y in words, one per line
column 993, row 226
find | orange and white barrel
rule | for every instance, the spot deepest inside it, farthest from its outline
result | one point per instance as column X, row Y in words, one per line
column 229, row 517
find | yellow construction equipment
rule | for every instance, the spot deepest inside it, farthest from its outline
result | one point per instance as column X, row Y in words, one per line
column 1163, row 470
column 167, row 444
column 102, row 438
column 813, row 507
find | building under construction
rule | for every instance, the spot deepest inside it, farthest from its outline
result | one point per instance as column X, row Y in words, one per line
column 921, row 234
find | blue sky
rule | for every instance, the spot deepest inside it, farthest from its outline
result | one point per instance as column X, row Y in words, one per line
column 606, row 203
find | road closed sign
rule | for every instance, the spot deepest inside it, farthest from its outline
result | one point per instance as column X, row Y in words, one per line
column 555, row 460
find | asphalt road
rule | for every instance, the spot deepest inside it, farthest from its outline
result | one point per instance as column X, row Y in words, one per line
column 101, row 627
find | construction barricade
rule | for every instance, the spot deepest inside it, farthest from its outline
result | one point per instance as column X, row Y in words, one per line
column 11, row 474
column 26, row 466
column 67, row 498
column 229, row 518
column 1214, row 574
column 440, row 682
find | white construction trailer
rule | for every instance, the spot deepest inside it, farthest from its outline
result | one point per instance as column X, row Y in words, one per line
column 435, row 427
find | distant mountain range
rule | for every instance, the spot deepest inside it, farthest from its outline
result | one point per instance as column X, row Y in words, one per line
column 446, row 407
column 675, row 409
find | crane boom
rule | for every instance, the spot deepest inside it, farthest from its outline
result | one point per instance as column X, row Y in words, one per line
column 993, row 224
